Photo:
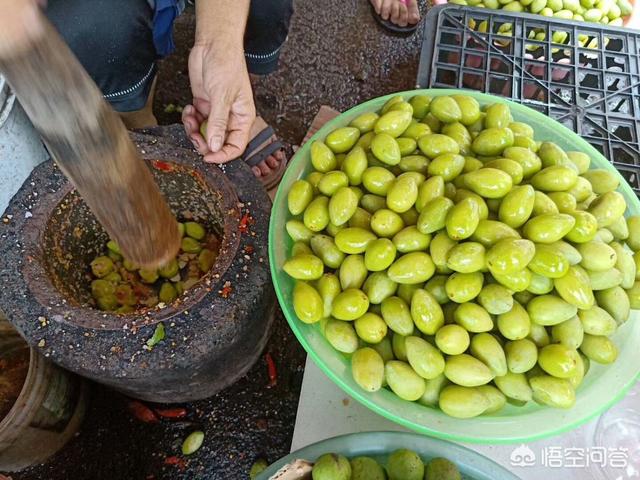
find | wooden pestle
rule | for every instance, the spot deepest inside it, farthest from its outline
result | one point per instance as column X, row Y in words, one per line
column 91, row 146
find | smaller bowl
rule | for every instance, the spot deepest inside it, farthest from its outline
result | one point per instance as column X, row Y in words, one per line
column 379, row 445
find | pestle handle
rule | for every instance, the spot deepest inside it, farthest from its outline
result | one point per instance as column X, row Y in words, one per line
column 92, row 147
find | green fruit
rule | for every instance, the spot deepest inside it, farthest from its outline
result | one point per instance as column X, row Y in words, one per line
column 432, row 188
column 332, row 181
column 194, row 230
column 397, row 315
column 498, row 115
column 402, row 195
column 490, row 232
column 599, row 349
column 515, row 386
column 386, row 223
column 510, row 255
column 378, row 287
column 331, row 466
column 206, row 259
column 342, row 139
column 574, row 288
column 102, row 288
column 298, row 231
column 350, row 304
column 371, row 328
column 303, row 267
column 405, row 465
column 527, row 159
column 328, row 286
column 192, row 443
column 625, row 264
column 411, row 268
column 435, row 144
column 514, row 324
column 367, row 368
column 365, row 468
column 425, row 359
column 452, row 339
column 602, row 181
column 550, row 310
column 488, row 350
column 434, row 214
column 342, row 205
column 447, row 165
column 463, row 402
column 322, row 158
column 379, row 255
column 462, row 219
column 377, row 180
column 496, row 299
column 352, row 272
column 410, row 239
column 148, row 276
column 307, row 303
column 517, row 206
column 464, row 287
column 466, row 257
column 552, row 391
column 354, row 165
column 403, row 381
column 324, row 247
column 518, row 281
column 597, row 321
column 492, row 141
column 569, row 333
column 353, row 240
column 473, row 318
column 608, row 208
column 167, row 293
column 616, row 302
column 426, row 312
column 489, row 182
column 341, row 335
column 102, row 266
column 393, row 123
column 558, row 360
column 548, row 228
column 386, row 149
column 365, row 122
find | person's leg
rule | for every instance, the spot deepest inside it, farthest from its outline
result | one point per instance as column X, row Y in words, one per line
column 267, row 30
column 113, row 41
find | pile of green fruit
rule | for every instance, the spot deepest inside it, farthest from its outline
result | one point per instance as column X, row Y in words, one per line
column 457, row 260
column 401, row 465
column 608, row 12
column 120, row 286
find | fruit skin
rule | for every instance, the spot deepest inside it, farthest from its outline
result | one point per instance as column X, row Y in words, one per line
column 405, row 464
column 442, row 469
column 366, row 468
column 331, row 466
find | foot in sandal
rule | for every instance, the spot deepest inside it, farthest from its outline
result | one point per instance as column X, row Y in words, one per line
column 398, row 16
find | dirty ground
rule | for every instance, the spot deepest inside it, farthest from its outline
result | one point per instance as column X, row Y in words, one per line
column 336, row 55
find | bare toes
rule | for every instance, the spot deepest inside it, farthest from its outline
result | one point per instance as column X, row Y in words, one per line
column 256, row 171
column 272, row 161
column 264, row 168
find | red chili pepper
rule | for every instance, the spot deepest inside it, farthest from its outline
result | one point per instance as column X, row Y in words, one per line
column 245, row 221
column 164, row 166
column 141, row 412
column 271, row 370
column 172, row 412
column 178, row 462
column 226, row 291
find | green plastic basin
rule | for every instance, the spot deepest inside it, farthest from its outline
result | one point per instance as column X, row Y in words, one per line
column 603, row 386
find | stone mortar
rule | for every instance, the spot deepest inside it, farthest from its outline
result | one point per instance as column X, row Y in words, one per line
column 214, row 333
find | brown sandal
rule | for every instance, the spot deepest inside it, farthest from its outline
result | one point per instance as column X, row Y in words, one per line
column 254, row 155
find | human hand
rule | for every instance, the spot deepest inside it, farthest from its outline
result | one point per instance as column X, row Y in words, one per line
column 20, row 23
column 223, row 97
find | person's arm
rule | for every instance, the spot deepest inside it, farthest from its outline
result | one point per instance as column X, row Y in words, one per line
column 20, row 22
column 219, row 81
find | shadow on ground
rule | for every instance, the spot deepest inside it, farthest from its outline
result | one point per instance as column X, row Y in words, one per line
column 338, row 56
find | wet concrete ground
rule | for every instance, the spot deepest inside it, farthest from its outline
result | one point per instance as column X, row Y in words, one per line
column 338, row 56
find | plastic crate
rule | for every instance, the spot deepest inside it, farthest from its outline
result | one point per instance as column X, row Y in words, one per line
column 593, row 91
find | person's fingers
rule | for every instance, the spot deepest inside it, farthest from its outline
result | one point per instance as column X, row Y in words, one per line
column 414, row 11
column 403, row 17
column 385, row 8
column 395, row 12
column 233, row 147
column 377, row 4
column 217, row 123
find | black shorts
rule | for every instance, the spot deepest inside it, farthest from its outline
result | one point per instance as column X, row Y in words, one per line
column 113, row 40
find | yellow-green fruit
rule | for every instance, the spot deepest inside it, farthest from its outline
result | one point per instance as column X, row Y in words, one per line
column 434, row 214
column 304, row 267
column 489, row 232
column 341, row 335
column 414, row 267
column 517, row 206
column 307, row 303
column 298, row 231
column 565, row 202
column 378, row 287
column 597, row 321
column 514, row 324
column 420, row 104
column 574, row 288
column 599, row 349
column 426, row 312
column 552, row 155
column 521, row 355
column 439, row 250
column 558, row 360
column 527, row 159
column 167, row 293
column 581, row 160
column 299, row 196
column 436, row 287
column 492, row 141
column 372, row 203
column 634, row 295
column 399, row 347
column 619, row 229
column 569, row 333
column 361, row 219
column 385, row 349
column 435, row 144
column 548, row 228
column 402, row 195
column 464, row 287
column 316, row 215
column 322, row 158
column 513, row 168
column 473, row 318
column 467, row 371
column 403, row 381
column 581, row 191
column 386, row 223
column 556, row 178
column 353, row 240
column 342, row 206
column 325, row 248
column 414, row 163
column 625, row 264
column 447, row 165
column 365, row 122
column 539, row 335
column 510, row 256
column 350, row 304
column 102, row 266
column 489, row 182
column 432, row 188
column 386, row 149
column 452, row 339
column 371, row 328
column 354, row 165
column 608, row 208
column 446, row 109
column 518, row 281
column 585, row 228
column 460, row 134
column 597, row 256
column 379, row 255
column 602, row 181
column 342, row 139
column 497, row 399
column 425, row 359
column 616, row 302
column 432, row 391
column 352, row 272
column 328, row 286
column 462, row 219
column 514, row 386
column 496, row 299
column 410, row 239
column 570, row 252
column 488, row 350
column 393, row 123
column 378, row 180
column 466, row 257
column 549, row 262
column 552, row 391
column 463, row 402
column 633, row 224
column 367, row 368
column 397, row 316
column 542, row 205
column 148, row 276
column 550, row 310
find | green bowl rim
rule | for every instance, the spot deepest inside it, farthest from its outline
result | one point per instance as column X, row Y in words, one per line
column 361, row 396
